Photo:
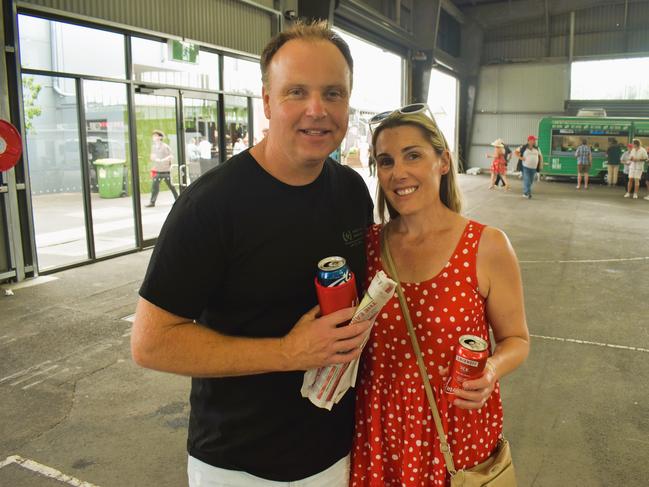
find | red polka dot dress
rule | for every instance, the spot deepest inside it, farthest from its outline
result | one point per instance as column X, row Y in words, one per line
column 396, row 443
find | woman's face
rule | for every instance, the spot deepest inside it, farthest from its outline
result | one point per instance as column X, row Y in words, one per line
column 408, row 168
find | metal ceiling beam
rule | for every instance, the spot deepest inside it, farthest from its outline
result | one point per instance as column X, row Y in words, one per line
column 493, row 14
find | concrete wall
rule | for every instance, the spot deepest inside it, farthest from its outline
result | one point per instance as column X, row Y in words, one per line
column 511, row 99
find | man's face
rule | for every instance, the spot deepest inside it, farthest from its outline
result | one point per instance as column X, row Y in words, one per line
column 307, row 100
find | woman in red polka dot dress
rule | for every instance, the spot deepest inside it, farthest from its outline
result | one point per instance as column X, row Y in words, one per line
column 459, row 277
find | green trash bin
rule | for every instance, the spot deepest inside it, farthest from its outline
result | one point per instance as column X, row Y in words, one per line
column 110, row 177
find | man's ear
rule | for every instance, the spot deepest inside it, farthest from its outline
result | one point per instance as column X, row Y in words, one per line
column 266, row 99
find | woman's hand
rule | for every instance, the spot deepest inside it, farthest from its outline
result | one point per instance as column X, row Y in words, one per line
column 475, row 393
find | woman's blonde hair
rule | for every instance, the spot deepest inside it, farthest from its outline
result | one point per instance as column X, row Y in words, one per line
column 449, row 191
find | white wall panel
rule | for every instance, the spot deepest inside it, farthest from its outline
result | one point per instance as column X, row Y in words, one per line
column 523, row 87
column 511, row 101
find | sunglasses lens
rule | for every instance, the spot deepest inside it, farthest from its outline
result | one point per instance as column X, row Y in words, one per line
column 379, row 116
column 414, row 108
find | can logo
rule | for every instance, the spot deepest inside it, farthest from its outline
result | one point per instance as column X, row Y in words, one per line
column 470, row 359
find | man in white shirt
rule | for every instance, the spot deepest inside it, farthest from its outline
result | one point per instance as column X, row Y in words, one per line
column 205, row 148
column 532, row 160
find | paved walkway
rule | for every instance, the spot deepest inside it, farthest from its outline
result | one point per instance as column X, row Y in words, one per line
column 72, row 402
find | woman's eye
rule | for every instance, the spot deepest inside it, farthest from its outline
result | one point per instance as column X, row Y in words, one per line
column 412, row 156
column 384, row 162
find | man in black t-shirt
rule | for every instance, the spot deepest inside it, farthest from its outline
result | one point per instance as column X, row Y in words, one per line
column 229, row 296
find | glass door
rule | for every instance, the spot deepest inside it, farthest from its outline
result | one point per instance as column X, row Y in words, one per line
column 156, row 120
column 201, row 136
column 55, row 168
column 109, row 167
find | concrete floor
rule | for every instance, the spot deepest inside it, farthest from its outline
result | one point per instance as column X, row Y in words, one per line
column 576, row 413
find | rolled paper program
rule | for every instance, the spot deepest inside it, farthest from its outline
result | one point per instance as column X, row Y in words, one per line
column 325, row 386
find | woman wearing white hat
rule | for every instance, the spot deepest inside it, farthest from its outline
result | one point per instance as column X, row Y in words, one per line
column 499, row 164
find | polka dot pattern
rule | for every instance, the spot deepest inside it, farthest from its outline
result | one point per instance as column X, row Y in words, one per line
column 396, row 443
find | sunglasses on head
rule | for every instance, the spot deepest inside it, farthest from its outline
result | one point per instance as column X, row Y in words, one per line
column 411, row 109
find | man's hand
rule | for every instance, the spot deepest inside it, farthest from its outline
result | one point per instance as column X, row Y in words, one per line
column 315, row 342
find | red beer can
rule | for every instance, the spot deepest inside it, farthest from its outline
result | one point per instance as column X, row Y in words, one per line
column 470, row 360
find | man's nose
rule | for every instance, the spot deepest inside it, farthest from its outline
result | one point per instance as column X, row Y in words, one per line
column 316, row 107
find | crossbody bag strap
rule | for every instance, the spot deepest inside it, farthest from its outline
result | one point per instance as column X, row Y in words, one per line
column 446, row 450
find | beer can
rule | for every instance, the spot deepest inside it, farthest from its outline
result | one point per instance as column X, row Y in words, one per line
column 469, row 363
column 333, row 271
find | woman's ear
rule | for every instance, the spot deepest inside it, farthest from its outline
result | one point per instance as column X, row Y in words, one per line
column 445, row 161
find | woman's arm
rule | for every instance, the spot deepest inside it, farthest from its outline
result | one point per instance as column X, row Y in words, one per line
column 499, row 280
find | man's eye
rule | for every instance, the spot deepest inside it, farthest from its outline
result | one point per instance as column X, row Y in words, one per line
column 334, row 94
column 296, row 92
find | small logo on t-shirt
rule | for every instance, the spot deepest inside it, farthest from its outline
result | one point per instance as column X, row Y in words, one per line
column 353, row 237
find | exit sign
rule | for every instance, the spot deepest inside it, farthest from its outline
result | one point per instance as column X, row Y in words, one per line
column 183, row 51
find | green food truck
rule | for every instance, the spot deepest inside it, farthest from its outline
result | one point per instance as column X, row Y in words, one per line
column 559, row 137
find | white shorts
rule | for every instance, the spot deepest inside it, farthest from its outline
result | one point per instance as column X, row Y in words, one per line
column 635, row 172
column 201, row 474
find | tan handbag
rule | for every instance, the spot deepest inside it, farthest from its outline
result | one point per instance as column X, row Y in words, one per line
column 498, row 469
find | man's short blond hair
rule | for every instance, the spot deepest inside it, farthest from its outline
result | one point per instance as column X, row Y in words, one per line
column 316, row 31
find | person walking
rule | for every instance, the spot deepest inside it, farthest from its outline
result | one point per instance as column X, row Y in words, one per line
column 499, row 164
column 531, row 162
column 216, row 306
column 508, row 156
column 584, row 160
column 459, row 277
column 161, row 160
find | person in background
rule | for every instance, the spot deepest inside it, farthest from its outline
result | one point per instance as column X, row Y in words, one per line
column 215, row 306
column 499, row 164
column 637, row 159
column 239, row 146
column 624, row 160
column 613, row 157
column 531, row 162
column 206, row 160
column 584, row 160
column 508, row 156
column 161, row 160
column 459, row 277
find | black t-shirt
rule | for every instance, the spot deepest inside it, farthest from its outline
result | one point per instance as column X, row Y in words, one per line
column 238, row 253
column 614, row 154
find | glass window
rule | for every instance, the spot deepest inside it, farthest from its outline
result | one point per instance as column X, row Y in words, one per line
column 607, row 80
column 109, row 166
column 377, row 88
column 57, row 46
column 241, row 76
column 152, row 63
column 54, row 156
column 442, row 100
column 260, row 122
column 566, row 140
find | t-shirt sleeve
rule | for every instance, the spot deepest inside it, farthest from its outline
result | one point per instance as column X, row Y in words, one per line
column 187, row 267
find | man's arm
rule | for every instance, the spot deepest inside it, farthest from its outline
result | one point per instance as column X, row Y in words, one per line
column 170, row 343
